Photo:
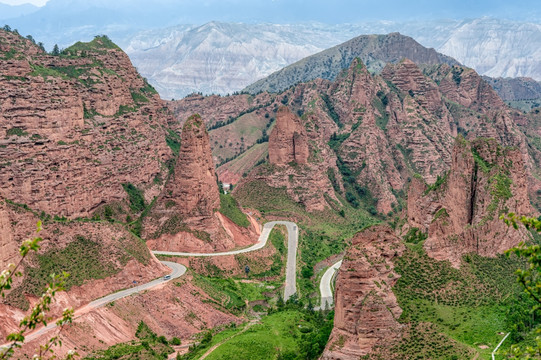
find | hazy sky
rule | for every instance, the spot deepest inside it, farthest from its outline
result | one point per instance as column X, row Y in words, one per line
column 20, row 2
column 330, row 11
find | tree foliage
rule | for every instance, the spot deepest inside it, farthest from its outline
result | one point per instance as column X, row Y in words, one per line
column 529, row 278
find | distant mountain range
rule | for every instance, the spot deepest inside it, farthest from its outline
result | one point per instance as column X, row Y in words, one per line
column 224, row 57
column 497, row 48
column 375, row 51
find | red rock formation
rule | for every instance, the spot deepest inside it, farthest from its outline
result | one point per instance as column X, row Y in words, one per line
column 366, row 308
column 407, row 76
column 74, row 128
column 462, row 214
column 399, row 124
column 288, row 141
column 185, row 216
column 394, row 132
column 306, row 181
column 193, row 186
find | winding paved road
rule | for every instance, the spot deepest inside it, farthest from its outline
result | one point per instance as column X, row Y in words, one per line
column 291, row 265
column 178, row 270
column 325, row 287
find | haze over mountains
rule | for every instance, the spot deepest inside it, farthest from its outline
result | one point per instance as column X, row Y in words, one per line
column 229, row 56
column 166, row 42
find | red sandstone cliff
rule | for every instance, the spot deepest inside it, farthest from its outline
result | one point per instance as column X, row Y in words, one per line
column 73, row 128
column 391, row 127
column 461, row 214
column 366, row 308
column 288, row 142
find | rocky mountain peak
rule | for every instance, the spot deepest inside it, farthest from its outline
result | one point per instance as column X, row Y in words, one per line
column 193, row 186
column 76, row 121
column 288, row 140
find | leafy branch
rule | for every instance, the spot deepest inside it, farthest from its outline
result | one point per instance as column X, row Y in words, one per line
column 37, row 315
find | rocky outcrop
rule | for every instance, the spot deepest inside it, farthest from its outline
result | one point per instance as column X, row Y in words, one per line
column 516, row 88
column 461, row 211
column 366, row 309
column 193, row 186
column 407, row 76
column 288, row 142
column 73, row 128
column 299, row 157
column 399, row 126
column 387, row 127
column 185, row 217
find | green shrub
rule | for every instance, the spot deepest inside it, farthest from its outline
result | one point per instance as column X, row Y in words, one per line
column 307, row 272
column 415, row 236
column 230, row 208
column 16, row 132
column 135, row 197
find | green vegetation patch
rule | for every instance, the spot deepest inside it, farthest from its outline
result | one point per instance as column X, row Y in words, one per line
column 257, row 194
column 148, row 89
column 125, row 109
column 229, row 293
column 415, row 236
column 44, row 72
column 380, row 102
column 98, row 44
column 424, row 341
column 330, row 110
column 288, row 334
column 14, row 131
column 173, row 141
column 470, row 305
column 230, row 208
column 260, row 270
column 138, row 98
column 135, row 197
column 438, row 184
column 149, row 346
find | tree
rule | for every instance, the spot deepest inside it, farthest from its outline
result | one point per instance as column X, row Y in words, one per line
column 529, row 278
column 56, row 50
column 37, row 315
